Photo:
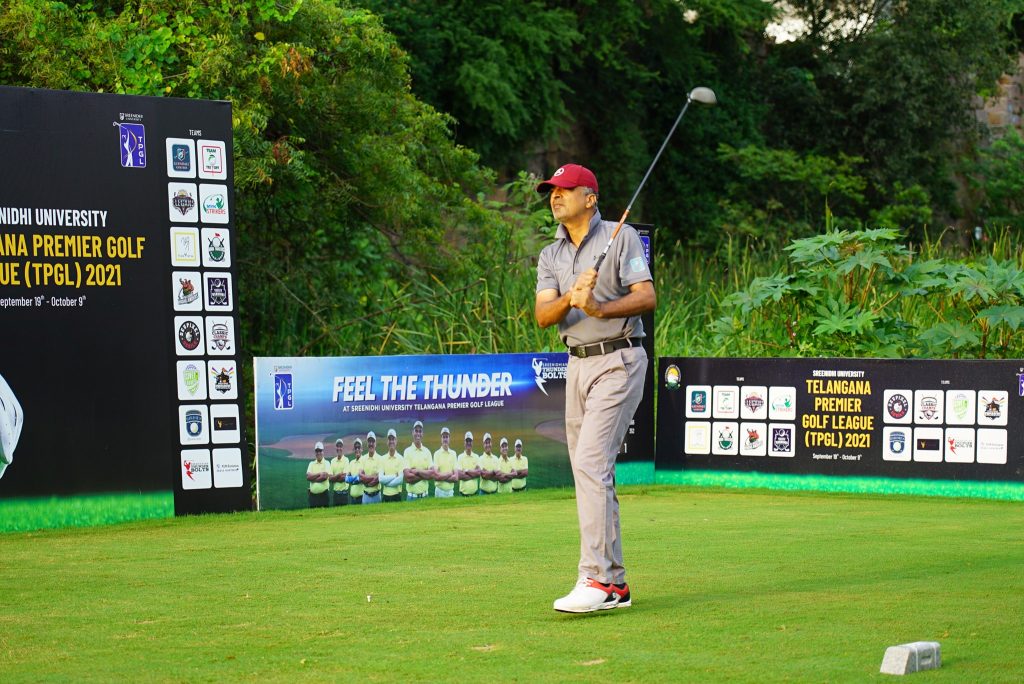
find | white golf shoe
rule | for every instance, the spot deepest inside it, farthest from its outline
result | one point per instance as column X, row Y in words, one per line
column 587, row 596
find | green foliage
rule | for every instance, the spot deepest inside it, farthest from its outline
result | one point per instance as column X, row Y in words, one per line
column 997, row 177
column 863, row 293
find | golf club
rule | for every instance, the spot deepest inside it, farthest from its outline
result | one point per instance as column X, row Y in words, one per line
column 700, row 94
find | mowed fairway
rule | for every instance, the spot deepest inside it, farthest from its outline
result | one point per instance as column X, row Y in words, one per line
column 728, row 586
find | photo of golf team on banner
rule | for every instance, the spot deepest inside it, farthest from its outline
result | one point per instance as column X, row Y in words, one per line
column 344, row 431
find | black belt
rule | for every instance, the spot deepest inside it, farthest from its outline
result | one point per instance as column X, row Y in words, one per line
column 600, row 348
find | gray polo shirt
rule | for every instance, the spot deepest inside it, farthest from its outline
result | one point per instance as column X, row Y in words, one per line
column 561, row 263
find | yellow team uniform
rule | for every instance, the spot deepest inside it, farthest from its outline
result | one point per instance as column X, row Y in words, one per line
column 519, row 463
column 420, row 460
column 322, row 467
column 505, row 466
column 356, row 489
column 488, row 462
column 339, row 466
column 391, row 466
column 370, row 465
column 469, row 461
column 444, row 462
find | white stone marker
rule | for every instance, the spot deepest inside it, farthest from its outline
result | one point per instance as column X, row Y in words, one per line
column 908, row 658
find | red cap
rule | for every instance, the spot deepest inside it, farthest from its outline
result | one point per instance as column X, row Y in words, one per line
column 570, row 176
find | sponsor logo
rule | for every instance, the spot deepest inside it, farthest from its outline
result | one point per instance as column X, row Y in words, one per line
column 213, row 159
column 929, row 407
column 222, row 379
column 215, row 248
column 726, row 438
column 993, row 407
column 673, row 377
column 132, row 139
column 183, row 201
column 753, row 439
column 897, row 406
column 225, row 423
column 699, row 401
column 928, row 444
column 194, row 422
column 217, row 291
column 781, row 440
column 215, row 205
column 189, row 335
column 181, row 158
column 961, row 404
column 219, row 336
column 187, row 294
column 190, row 376
column 754, row 402
column 284, row 397
column 897, row 442
column 544, row 370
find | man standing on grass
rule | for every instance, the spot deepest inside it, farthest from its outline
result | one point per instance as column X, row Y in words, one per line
column 445, row 473
column 488, row 468
column 598, row 318
column 355, row 485
column 339, row 470
column 506, row 471
column 369, row 470
column 418, row 465
column 522, row 468
column 392, row 471
column 469, row 469
column 318, row 474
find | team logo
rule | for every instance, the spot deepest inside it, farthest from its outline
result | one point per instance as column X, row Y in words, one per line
column 222, row 379
column 190, row 376
column 559, row 172
column 726, row 438
column 132, row 138
column 783, row 403
column 781, row 440
column 752, row 440
column 193, row 467
column 215, row 248
column 284, row 397
column 213, row 159
column 673, row 377
column 928, row 444
column 929, row 407
column 181, row 158
column 215, row 205
column 217, row 291
column 898, row 406
column 189, row 336
column 961, row 404
column 699, row 401
column 754, row 402
column 183, row 201
column 221, row 423
column 194, row 422
column 219, row 336
column 993, row 407
column 187, row 294
column 897, row 442
column 184, row 248
column 544, row 370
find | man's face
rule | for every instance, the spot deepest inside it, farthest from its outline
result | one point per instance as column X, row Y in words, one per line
column 568, row 204
column 319, row 454
column 340, row 448
column 504, row 449
column 392, row 443
column 417, row 435
column 469, row 445
column 371, row 444
column 519, row 450
column 358, row 449
column 445, row 439
column 487, row 445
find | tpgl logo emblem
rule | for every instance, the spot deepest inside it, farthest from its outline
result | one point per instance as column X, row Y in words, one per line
column 897, row 442
column 190, row 376
column 132, row 137
column 215, row 248
column 218, row 291
column 187, row 294
column 222, row 379
column 283, row 395
column 181, row 158
column 194, row 423
column 189, row 336
column 183, row 201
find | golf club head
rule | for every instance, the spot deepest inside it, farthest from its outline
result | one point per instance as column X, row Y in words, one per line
column 704, row 95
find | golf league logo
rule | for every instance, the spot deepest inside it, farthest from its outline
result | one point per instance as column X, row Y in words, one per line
column 215, row 248
column 222, row 379
column 132, row 138
column 673, row 377
column 726, row 438
column 898, row 406
column 217, row 292
column 194, row 423
column 284, row 397
column 897, row 441
column 187, row 294
column 189, row 335
column 183, row 201
column 191, row 376
column 181, row 158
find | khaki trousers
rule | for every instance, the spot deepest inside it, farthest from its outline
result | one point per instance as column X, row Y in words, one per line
column 601, row 396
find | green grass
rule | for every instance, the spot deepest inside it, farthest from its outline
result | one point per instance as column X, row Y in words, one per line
column 729, row 585
column 83, row 510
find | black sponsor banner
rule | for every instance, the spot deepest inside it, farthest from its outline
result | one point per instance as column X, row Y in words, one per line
column 930, row 419
column 639, row 442
column 117, row 299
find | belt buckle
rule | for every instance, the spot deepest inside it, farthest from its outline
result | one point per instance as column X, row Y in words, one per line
column 580, row 351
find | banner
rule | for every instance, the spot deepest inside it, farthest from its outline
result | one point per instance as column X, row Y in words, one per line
column 118, row 299
column 949, row 420
column 302, row 401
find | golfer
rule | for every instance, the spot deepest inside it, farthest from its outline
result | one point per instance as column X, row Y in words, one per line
column 488, row 468
column 469, row 469
column 370, row 470
column 318, row 474
column 522, row 466
column 506, row 469
column 392, row 471
column 355, row 485
column 339, row 469
column 418, row 465
column 445, row 473
column 598, row 319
